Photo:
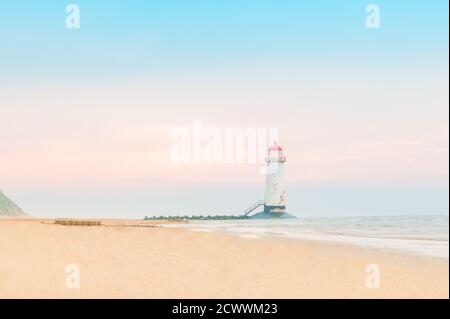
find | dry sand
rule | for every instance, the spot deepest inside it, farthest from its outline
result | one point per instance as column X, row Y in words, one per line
column 119, row 260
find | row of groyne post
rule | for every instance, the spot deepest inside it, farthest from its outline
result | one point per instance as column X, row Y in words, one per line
column 78, row 222
column 198, row 217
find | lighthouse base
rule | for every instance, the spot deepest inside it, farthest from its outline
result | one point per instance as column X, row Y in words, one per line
column 269, row 215
column 274, row 209
column 272, row 212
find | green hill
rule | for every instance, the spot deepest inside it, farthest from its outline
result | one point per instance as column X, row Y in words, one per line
column 8, row 208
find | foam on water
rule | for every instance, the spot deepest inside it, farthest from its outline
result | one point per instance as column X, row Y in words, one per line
column 424, row 235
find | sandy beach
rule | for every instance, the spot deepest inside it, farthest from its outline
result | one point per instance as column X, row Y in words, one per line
column 141, row 259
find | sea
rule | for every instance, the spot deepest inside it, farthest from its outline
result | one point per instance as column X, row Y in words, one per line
column 420, row 235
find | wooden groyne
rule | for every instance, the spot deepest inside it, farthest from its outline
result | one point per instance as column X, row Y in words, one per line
column 78, row 222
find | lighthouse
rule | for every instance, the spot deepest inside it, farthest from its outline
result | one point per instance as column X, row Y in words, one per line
column 275, row 196
column 274, row 202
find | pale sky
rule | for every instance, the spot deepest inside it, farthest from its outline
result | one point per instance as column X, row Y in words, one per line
column 86, row 115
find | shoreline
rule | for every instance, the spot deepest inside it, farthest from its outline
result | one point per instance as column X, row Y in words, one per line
column 122, row 261
column 193, row 227
column 382, row 250
column 384, row 244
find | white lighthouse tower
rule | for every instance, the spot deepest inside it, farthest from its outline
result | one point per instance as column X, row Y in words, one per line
column 275, row 197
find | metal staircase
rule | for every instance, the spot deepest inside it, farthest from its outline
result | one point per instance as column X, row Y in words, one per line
column 253, row 207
